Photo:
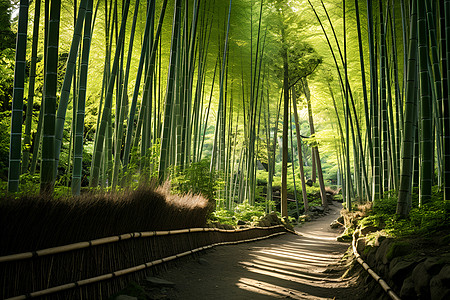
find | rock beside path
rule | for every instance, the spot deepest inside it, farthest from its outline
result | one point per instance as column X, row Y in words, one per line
column 413, row 275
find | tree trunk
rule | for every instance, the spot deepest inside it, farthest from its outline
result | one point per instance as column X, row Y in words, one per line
column 284, row 208
column 315, row 149
column 300, row 155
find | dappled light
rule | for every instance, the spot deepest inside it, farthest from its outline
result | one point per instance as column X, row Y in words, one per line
column 296, row 268
column 269, row 268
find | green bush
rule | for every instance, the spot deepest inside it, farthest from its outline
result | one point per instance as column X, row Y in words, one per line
column 244, row 212
column 427, row 219
column 197, row 179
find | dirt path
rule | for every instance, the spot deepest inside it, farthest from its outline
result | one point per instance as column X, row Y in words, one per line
column 289, row 266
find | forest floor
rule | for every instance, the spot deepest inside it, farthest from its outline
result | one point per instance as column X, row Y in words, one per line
column 304, row 266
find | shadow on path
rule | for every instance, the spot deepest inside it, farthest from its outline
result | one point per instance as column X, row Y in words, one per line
column 289, row 266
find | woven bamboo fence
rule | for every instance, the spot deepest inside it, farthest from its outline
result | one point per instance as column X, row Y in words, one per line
column 99, row 268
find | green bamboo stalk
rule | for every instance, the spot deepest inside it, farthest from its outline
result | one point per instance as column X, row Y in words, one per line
column 233, row 164
column 392, row 144
column 191, row 68
column 300, row 155
column 17, row 100
column 31, row 89
column 398, row 96
column 348, row 200
column 445, row 106
column 315, row 148
column 437, row 87
column 383, row 113
column 363, row 77
column 284, row 54
column 38, row 138
column 220, row 110
column 98, row 148
column 199, row 94
column 426, row 143
column 79, row 122
column 51, row 79
column 364, row 170
column 132, row 112
column 166, row 141
column 37, row 141
column 109, row 32
column 269, row 154
column 377, row 187
column 340, row 131
column 208, row 110
column 293, row 161
column 405, row 47
column 145, row 114
column 178, row 104
column 65, row 90
column 406, row 166
column 121, row 114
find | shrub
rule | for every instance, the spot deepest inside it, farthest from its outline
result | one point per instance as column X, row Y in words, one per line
column 427, row 219
column 244, row 212
column 197, row 179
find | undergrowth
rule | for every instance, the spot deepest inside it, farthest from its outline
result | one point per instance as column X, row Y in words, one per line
column 244, row 212
column 431, row 217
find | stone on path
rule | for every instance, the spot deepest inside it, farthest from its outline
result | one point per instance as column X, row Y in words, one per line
column 203, row 262
column 159, row 282
column 125, row 297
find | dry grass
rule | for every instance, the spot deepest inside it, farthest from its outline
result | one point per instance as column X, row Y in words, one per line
column 331, row 191
column 351, row 217
column 33, row 222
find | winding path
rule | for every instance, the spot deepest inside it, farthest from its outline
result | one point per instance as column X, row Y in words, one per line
column 289, row 266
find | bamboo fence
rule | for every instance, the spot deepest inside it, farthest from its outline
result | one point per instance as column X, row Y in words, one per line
column 98, row 268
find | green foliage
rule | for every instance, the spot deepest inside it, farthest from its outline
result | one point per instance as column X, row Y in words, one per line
column 4, row 143
column 29, row 183
column 197, row 179
column 244, row 212
column 262, row 177
column 429, row 218
column 142, row 169
column 7, row 36
column 224, row 216
column 373, row 220
column 6, row 78
column 388, row 205
column 247, row 212
column 347, row 235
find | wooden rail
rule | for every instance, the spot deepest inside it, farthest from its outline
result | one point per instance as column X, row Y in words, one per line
column 96, row 268
column 372, row 273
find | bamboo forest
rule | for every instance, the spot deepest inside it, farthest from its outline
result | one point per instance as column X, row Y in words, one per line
column 229, row 149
